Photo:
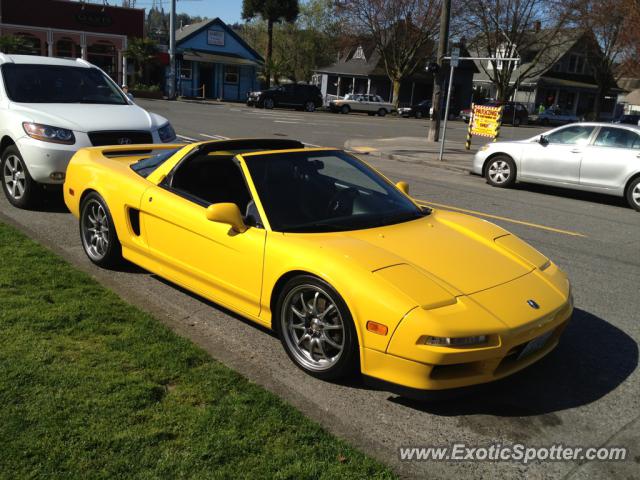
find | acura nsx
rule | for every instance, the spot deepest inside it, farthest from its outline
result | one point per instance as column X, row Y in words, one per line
column 349, row 271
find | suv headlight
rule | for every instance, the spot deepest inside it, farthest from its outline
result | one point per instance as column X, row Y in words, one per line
column 167, row 133
column 47, row 133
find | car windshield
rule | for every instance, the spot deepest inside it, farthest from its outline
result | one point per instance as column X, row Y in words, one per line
column 146, row 166
column 27, row 83
column 328, row 191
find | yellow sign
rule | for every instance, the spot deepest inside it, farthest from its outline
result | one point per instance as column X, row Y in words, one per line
column 485, row 121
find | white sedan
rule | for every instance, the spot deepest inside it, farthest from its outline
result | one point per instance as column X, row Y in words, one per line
column 595, row 157
column 371, row 104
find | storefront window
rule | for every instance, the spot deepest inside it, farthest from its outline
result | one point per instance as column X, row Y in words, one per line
column 186, row 70
column 231, row 74
column 65, row 47
column 31, row 44
column 103, row 54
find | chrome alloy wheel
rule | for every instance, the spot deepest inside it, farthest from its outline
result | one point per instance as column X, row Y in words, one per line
column 635, row 194
column 14, row 177
column 95, row 230
column 312, row 327
column 499, row 171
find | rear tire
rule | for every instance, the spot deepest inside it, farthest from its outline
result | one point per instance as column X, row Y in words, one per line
column 18, row 186
column 500, row 171
column 309, row 106
column 382, row 112
column 98, row 232
column 316, row 328
column 345, row 109
column 418, row 115
column 633, row 194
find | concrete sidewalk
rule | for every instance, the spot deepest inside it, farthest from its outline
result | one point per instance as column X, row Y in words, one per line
column 414, row 150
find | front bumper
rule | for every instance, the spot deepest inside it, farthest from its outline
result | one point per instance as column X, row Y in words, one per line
column 409, row 363
column 478, row 161
column 43, row 159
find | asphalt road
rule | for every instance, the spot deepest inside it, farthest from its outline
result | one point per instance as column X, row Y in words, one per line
column 585, row 393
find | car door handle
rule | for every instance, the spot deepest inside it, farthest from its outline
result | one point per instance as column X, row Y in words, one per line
column 576, row 150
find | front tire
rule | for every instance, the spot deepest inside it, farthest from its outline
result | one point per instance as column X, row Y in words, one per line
column 418, row 115
column 382, row 112
column 633, row 194
column 268, row 103
column 316, row 328
column 501, row 171
column 345, row 109
column 309, row 106
column 98, row 232
column 18, row 186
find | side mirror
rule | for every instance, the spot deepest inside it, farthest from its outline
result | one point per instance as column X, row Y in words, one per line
column 543, row 140
column 403, row 187
column 228, row 213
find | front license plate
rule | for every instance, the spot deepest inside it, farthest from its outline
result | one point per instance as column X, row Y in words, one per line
column 535, row 345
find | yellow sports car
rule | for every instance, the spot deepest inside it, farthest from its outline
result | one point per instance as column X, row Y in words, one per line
column 349, row 271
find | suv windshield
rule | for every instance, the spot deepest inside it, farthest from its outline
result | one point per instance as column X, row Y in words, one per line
column 326, row 192
column 26, row 83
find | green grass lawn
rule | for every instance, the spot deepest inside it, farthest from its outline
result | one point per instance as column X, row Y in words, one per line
column 92, row 387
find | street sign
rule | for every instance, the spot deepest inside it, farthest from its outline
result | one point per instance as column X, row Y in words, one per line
column 455, row 56
column 485, row 121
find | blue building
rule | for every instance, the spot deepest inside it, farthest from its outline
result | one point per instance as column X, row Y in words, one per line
column 212, row 57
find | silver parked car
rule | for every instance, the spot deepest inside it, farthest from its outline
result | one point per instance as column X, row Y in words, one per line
column 554, row 116
column 595, row 157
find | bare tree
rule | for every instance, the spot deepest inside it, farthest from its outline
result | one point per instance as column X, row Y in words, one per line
column 401, row 30
column 610, row 54
column 527, row 29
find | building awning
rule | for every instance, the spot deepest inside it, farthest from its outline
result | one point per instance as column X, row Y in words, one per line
column 194, row 56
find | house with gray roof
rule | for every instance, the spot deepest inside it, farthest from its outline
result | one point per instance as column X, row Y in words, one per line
column 359, row 69
column 213, row 61
column 562, row 74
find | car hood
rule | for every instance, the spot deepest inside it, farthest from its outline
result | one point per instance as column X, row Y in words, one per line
column 90, row 117
column 460, row 251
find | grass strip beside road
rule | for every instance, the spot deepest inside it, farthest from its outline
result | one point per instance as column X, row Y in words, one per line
column 92, row 387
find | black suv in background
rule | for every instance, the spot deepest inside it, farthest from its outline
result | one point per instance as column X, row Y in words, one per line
column 296, row 95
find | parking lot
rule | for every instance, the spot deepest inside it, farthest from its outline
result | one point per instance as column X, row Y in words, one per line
column 584, row 393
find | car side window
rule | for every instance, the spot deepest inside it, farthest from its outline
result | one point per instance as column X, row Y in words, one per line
column 617, row 138
column 573, row 135
column 206, row 179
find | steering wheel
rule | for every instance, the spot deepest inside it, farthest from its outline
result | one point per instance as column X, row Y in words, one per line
column 341, row 203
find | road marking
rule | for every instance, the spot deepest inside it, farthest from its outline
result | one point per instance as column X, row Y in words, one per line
column 214, row 137
column 504, row 219
column 187, row 138
column 284, row 121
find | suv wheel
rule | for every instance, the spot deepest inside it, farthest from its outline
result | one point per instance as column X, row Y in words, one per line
column 309, row 106
column 516, row 122
column 633, row 194
column 268, row 103
column 20, row 189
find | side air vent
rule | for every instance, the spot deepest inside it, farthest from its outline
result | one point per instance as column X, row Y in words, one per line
column 134, row 220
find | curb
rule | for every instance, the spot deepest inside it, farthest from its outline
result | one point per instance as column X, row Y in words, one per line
column 415, row 160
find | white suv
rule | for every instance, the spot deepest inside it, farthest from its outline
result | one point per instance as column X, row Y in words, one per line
column 50, row 108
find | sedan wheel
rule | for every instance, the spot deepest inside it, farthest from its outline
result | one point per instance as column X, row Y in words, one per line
column 268, row 103
column 98, row 233
column 633, row 194
column 316, row 329
column 17, row 184
column 345, row 109
column 501, row 171
column 418, row 115
column 310, row 107
column 382, row 112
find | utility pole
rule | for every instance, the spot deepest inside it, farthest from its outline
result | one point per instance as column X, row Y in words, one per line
column 172, row 51
column 436, row 99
